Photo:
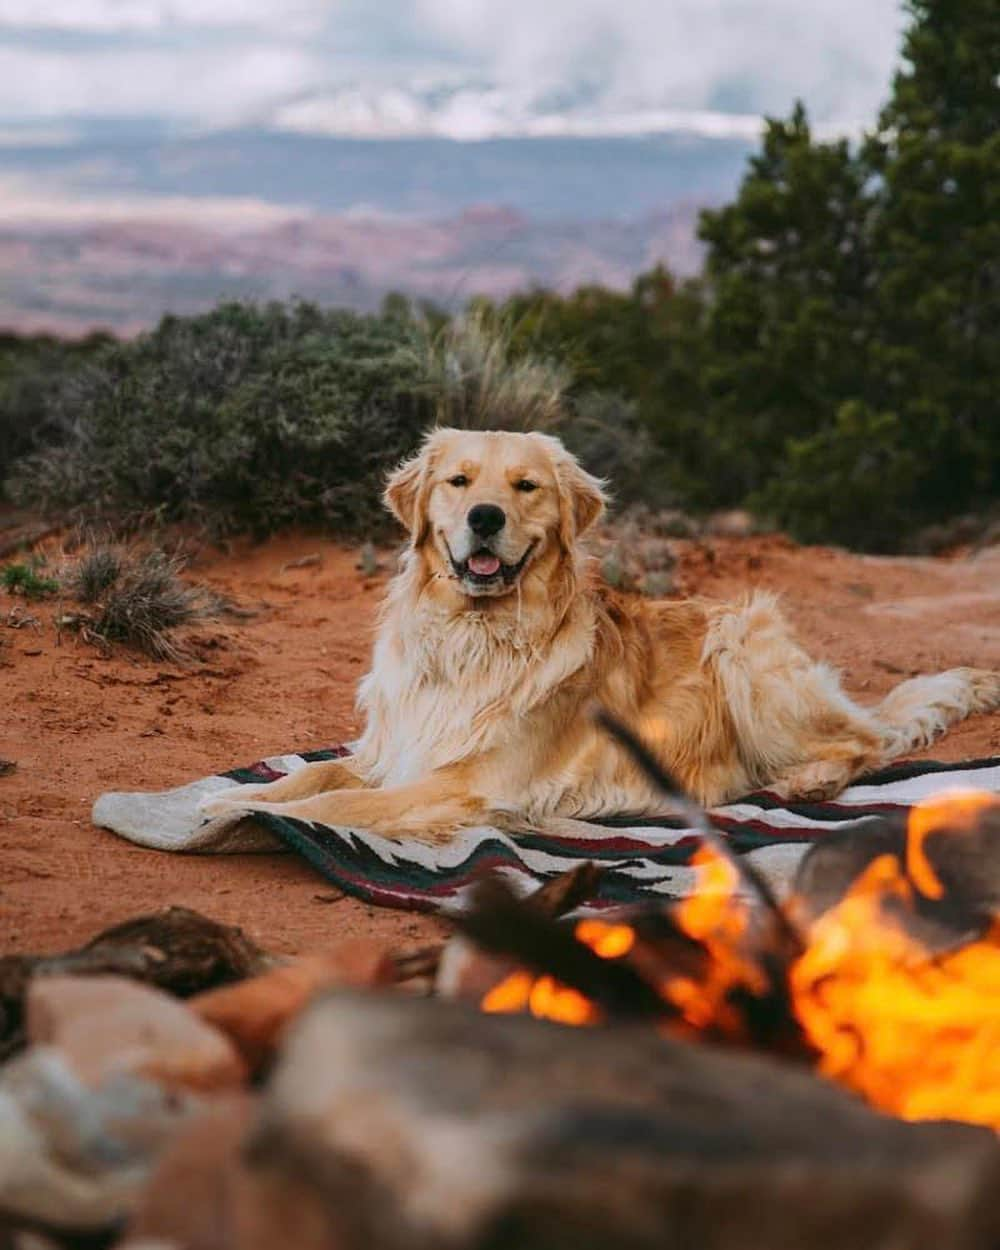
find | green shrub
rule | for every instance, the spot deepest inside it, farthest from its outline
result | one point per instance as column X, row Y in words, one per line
column 480, row 382
column 32, row 370
column 135, row 595
column 606, row 431
column 244, row 419
column 855, row 483
column 250, row 419
column 97, row 570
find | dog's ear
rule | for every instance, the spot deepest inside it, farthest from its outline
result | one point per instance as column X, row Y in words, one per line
column 402, row 491
column 583, row 499
column 406, row 494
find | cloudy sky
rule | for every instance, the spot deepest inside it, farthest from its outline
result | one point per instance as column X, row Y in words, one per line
column 462, row 67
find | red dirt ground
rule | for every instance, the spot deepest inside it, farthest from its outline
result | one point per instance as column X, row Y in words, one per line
column 77, row 723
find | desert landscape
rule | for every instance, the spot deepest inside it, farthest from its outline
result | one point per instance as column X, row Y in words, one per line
column 80, row 722
column 703, row 294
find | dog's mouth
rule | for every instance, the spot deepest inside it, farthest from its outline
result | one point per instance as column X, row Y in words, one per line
column 485, row 568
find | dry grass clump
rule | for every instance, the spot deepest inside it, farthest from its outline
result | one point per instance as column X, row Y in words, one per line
column 97, row 571
column 137, row 597
column 479, row 383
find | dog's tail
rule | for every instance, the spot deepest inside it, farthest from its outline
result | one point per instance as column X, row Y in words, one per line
column 921, row 709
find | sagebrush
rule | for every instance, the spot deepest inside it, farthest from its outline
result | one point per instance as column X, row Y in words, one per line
column 252, row 419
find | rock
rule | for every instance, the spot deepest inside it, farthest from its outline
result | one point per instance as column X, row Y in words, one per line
column 254, row 1013
column 25, row 1239
column 176, row 949
column 206, row 1194
column 196, row 1196
column 963, row 855
column 107, row 1025
column 73, row 1158
column 672, row 523
column 368, row 561
column 394, row 1123
column 734, row 523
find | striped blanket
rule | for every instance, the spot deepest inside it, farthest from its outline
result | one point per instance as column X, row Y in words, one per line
column 643, row 859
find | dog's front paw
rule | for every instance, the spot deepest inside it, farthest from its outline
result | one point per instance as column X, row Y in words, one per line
column 813, row 783
column 226, row 802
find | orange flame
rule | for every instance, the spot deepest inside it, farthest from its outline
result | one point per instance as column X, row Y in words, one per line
column 955, row 810
column 716, row 916
column 917, row 1035
column 512, row 994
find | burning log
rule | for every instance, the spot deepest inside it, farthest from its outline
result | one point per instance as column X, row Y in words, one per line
column 957, row 841
column 503, row 925
column 448, row 963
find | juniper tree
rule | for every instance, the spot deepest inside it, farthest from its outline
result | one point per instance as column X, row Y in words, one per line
column 936, row 251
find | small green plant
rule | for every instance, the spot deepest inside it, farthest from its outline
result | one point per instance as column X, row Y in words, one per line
column 23, row 579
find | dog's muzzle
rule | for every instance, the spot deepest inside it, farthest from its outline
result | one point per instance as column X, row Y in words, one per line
column 483, row 569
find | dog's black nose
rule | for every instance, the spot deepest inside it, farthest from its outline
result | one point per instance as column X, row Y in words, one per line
column 486, row 519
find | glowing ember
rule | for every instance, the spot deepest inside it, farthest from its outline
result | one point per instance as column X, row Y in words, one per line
column 547, row 998
column 512, row 994
column 551, row 1001
column 610, row 941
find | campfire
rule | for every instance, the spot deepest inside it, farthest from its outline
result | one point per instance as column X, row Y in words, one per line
column 828, row 1063
column 892, row 990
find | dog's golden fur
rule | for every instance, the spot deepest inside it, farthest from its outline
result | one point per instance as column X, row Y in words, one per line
column 477, row 705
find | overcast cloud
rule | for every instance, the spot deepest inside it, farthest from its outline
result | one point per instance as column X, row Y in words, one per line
column 220, row 62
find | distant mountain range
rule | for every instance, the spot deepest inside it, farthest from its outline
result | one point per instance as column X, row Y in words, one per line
column 472, row 110
column 113, row 224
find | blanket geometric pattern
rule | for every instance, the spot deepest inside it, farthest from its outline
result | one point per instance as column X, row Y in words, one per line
column 643, row 859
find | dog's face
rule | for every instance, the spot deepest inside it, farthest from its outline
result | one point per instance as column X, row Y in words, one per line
column 487, row 506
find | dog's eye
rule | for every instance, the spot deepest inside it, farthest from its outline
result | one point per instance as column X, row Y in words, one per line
column 458, row 480
column 525, row 484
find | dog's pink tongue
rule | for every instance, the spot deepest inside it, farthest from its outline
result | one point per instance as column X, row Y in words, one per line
column 484, row 565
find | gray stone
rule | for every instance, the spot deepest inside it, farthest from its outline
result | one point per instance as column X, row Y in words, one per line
column 393, row 1123
column 73, row 1158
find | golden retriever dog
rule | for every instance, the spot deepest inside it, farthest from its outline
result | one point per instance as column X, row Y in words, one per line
column 496, row 639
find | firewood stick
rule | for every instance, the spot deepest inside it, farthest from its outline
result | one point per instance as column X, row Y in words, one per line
column 700, row 820
column 554, row 898
column 505, row 925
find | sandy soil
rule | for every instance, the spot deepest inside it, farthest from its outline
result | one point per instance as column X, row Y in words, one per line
column 78, row 723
